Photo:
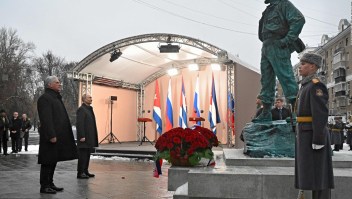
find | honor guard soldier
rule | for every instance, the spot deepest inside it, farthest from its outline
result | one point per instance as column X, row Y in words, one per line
column 313, row 162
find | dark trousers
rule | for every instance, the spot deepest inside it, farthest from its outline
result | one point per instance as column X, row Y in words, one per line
column 25, row 137
column 342, row 140
column 15, row 139
column 336, row 147
column 321, row 194
column 47, row 175
column 83, row 160
column 3, row 141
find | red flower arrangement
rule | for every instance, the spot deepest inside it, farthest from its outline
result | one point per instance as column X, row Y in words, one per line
column 186, row 147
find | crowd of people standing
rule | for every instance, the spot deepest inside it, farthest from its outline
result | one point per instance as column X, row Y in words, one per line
column 17, row 128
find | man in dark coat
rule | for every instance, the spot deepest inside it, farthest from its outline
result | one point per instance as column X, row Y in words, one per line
column 87, row 136
column 313, row 162
column 56, row 136
column 337, row 133
column 349, row 134
column 280, row 112
column 26, row 125
column 15, row 131
column 4, row 127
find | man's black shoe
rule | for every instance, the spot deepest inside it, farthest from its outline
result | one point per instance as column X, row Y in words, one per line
column 56, row 188
column 336, row 150
column 90, row 175
column 13, row 151
column 47, row 190
column 82, row 176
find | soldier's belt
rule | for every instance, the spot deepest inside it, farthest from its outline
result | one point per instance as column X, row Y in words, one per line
column 304, row 119
column 336, row 130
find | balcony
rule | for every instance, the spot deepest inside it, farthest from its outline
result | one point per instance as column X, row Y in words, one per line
column 340, row 87
column 341, row 101
column 339, row 50
column 340, row 64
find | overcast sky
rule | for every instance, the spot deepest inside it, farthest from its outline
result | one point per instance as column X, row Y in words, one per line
column 75, row 28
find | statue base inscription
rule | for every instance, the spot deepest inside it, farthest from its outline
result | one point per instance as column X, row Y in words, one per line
column 269, row 139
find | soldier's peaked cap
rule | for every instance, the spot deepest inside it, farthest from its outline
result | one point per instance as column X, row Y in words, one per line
column 312, row 58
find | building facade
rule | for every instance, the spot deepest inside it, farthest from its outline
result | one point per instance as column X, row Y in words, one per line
column 336, row 70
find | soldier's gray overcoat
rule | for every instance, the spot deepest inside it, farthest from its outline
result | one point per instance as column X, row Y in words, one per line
column 313, row 168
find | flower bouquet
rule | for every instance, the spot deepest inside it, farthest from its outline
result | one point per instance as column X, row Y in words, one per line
column 186, row 147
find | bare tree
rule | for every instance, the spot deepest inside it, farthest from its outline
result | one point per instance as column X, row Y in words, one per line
column 14, row 56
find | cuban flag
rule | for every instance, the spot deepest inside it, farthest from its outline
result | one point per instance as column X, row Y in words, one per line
column 213, row 116
column 231, row 112
column 156, row 109
column 196, row 112
column 182, row 120
column 169, row 112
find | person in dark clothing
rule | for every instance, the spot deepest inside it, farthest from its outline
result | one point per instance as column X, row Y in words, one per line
column 348, row 127
column 313, row 161
column 280, row 112
column 15, row 131
column 87, row 136
column 4, row 127
column 26, row 125
column 56, row 137
column 336, row 133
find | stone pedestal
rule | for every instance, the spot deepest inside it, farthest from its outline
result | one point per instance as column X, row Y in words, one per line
column 253, row 178
column 269, row 139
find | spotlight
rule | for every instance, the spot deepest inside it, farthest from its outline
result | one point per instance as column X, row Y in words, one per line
column 172, row 72
column 169, row 48
column 215, row 67
column 115, row 55
column 193, row 67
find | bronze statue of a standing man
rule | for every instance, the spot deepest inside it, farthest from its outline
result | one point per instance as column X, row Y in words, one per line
column 279, row 27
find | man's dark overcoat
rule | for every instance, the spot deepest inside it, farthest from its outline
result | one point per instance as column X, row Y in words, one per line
column 4, row 126
column 54, row 122
column 313, row 168
column 86, row 127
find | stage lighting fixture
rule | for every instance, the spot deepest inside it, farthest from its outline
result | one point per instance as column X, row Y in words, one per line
column 172, row 72
column 115, row 55
column 169, row 48
column 193, row 67
column 215, row 67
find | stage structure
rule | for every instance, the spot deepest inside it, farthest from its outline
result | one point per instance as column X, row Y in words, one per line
column 140, row 63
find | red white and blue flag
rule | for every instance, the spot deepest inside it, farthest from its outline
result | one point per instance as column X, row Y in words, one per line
column 157, row 109
column 213, row 116
column 231, row 112
column 196, row 112
column 182, row 120
column 169, row 112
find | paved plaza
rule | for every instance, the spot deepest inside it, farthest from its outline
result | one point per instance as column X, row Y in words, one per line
column 120, row 178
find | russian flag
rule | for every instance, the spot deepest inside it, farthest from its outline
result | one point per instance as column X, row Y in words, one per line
column 196, row 112
column 213, row 116
column 156, row 109
column 169, row 112
column 182, row 120
column 231, row 111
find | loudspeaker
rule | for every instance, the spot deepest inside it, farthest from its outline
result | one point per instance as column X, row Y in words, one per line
column 113, row 98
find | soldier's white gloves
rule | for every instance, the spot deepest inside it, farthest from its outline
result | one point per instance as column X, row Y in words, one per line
column 316, row 147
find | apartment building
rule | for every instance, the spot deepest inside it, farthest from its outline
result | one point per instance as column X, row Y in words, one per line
column 336, row 70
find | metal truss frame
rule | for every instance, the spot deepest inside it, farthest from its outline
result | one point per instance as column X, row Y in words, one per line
column 88, row 79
